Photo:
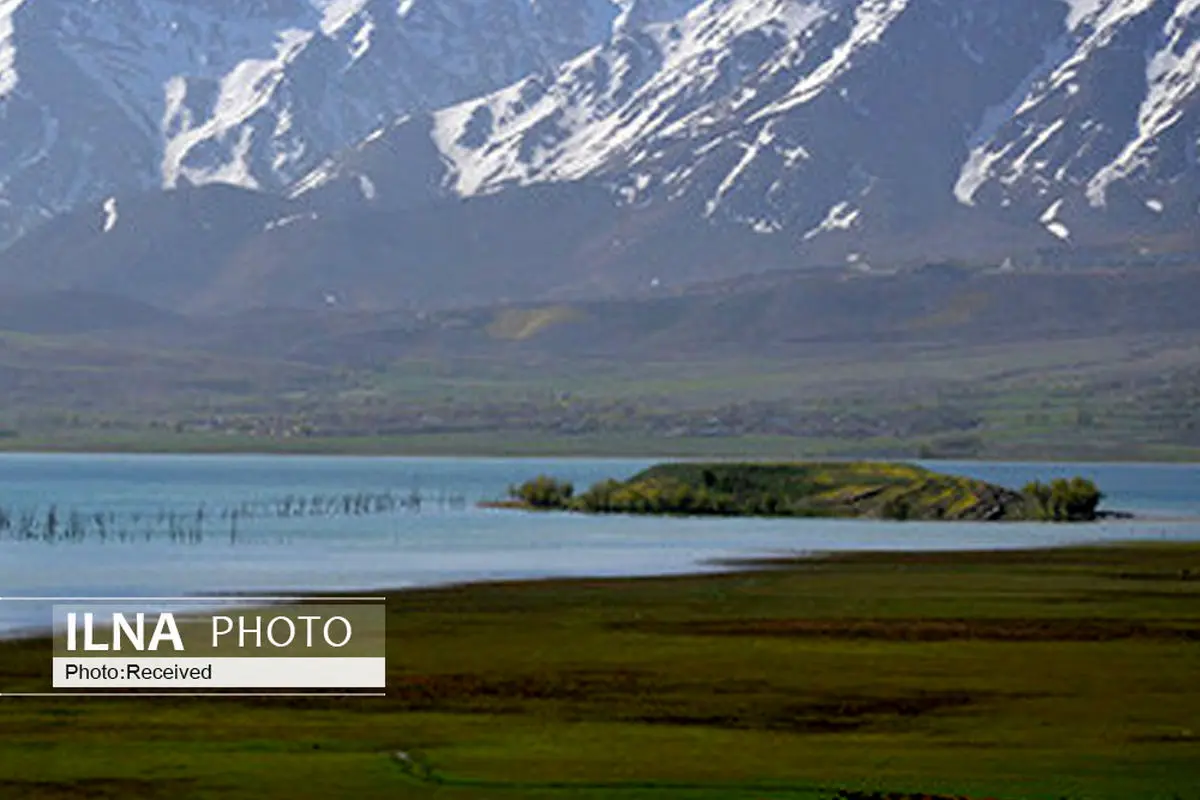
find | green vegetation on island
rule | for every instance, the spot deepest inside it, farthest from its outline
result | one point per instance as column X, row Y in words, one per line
column 835, row 489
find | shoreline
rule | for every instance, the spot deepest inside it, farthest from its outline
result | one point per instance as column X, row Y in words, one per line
column 1101, row 516
column 698, row 570
column 734, row 449
column 1078, row 663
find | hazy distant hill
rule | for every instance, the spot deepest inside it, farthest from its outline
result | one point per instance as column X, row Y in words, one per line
column 959, row 362
column 789, row 314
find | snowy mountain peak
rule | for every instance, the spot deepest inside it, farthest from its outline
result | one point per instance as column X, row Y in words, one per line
column 838, row 123
column 99, row 95
column 837, row 129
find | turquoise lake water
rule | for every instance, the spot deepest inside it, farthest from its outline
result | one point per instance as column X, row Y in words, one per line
column 187, row 525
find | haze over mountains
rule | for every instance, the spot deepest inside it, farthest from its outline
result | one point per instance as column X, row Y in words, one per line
column 212, row 156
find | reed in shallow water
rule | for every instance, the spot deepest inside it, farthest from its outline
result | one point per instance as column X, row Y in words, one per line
column 194, row 525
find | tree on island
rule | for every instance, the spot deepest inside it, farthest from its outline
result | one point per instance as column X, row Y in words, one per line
column 1064, row 500
column 544, row 492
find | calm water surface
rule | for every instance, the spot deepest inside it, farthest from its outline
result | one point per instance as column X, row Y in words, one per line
column 163, row 525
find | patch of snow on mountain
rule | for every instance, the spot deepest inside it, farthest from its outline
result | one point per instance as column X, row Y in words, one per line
column 750, row 152
column 1051, row 212
column 291, row 219
column 1059, row 230
column 1172, row 77
column 1091, row 26
column 871, row 19
column 8, row 50
column 1037, row 140
column 313, row 180
column 367, row 187
column 637, row 13
column 361, row 42
column 237, row 170
column 841, row 217
column 1103, row 15
column 243, row 91
column 1082, row 11
column 336, row 13
column 110, row 214
column 609, row 100
column 1053, row 224
column 983, row 154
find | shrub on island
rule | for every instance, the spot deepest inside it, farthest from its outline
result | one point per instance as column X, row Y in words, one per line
column 543, row 492
column 1062, row 500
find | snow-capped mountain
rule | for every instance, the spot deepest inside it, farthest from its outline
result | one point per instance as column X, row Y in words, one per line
column 844, row 125
column 100, row 96
column 679, row 139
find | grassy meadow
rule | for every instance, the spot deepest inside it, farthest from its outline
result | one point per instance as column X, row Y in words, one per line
column 1020, row 675
column 1094, row 397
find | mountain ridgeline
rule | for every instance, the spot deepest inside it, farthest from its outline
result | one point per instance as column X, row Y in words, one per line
column 874, row 490
column 379, row 154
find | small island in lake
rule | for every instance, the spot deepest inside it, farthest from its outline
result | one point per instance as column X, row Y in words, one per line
column 869, row 490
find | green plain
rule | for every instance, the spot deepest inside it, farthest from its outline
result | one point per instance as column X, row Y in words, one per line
column 1023, row 675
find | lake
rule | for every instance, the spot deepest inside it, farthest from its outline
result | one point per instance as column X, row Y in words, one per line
column 119, row 525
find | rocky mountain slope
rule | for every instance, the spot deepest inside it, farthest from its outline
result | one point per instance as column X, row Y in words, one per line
column 103, row 96
column 851, row 128
column 599, row 146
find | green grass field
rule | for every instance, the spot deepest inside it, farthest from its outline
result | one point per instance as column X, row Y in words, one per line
column 1060, row 674
column 1098, row 398
column 515, row 444
column 484, row 444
